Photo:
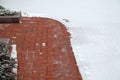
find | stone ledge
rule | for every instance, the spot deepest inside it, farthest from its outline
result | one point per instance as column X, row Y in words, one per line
column 11, row 19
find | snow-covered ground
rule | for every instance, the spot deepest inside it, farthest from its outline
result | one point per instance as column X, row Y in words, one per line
column 95, row 29
column 97, row 50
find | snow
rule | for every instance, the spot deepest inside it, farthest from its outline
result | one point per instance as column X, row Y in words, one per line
column 13, row 52
column 77, row 11
column 14, row 70
column 43, row 44
column 95, row 29
column 14, row 56
column 97, row 51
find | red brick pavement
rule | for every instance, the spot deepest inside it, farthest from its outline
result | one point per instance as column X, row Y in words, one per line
column 44, row 50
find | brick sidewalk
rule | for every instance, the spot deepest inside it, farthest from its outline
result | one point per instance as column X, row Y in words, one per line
column 44, row 50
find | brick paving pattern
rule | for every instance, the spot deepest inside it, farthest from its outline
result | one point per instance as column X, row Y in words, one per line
column 44, row 49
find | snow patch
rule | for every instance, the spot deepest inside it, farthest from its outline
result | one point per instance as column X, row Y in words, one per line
column 13, row 52
column 14, row 56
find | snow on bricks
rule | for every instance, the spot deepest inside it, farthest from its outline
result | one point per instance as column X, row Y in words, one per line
column 43, row 49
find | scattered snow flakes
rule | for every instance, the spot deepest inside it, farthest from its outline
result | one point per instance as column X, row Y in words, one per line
column 14, row 37
column 20, row 21
column 55, row 36
column 31, row 22
column 34, row 71
column 56, row 62
column 37, row 44
column 41, row 53
column 3, row 26
column 63, row 50
column 43, row 44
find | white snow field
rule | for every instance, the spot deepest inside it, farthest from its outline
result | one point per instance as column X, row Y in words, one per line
column 95, row 29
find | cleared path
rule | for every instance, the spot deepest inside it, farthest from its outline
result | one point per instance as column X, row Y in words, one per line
column 44, row 49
